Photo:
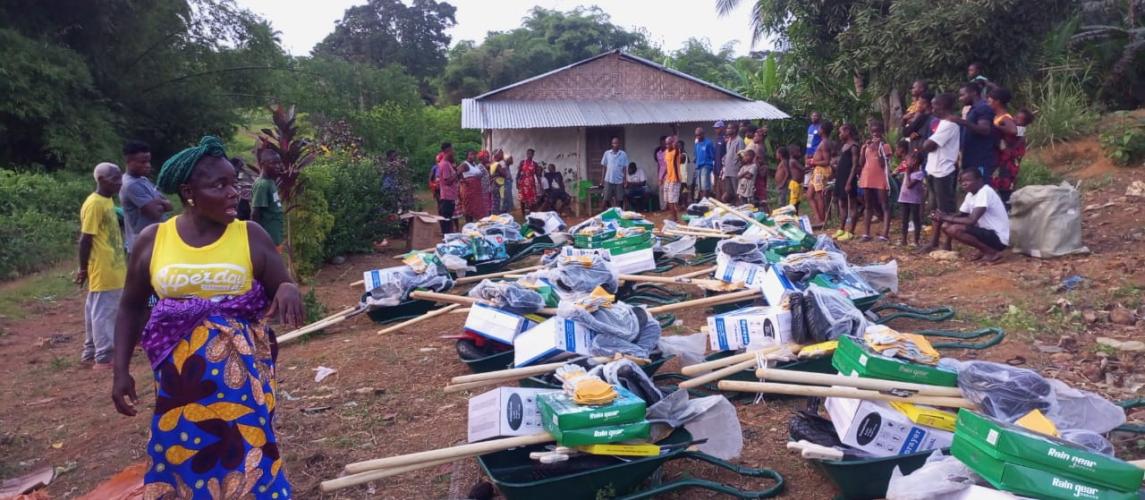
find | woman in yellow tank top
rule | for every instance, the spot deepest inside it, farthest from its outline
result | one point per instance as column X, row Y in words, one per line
column 213, row 355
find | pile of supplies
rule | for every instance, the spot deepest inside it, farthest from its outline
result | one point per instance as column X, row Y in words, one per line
column 626, row 236
column 391, row 286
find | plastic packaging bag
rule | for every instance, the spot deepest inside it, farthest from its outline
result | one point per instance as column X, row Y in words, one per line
column 824, row 242
column 683, row 247
column 940, row 475
column 618, row 320
column 455, row 263
column 645, row 339
column 689, row 348
column 509, row 296
column 831, row 315
column 740, row 250
column 1088, row 440
column 403, row 280
column 1004, row 392
column 629, row 375
column 880, row 276
column 579, row 275
column 801, row 266
column 1076, row 409
column 712, row 418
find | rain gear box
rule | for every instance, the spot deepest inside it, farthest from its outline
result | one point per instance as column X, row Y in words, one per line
column 852, row 359
column 560, row 412
column 1055, row 459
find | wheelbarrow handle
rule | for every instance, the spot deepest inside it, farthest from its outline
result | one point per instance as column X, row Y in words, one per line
column 995, row 337
column 666, row 387
column 687, row 481
column 934, row 314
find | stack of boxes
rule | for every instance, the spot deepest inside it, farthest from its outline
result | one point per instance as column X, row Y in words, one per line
column 575, row 425
column 628, row 240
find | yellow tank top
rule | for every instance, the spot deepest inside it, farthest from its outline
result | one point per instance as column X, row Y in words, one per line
column 220, row 269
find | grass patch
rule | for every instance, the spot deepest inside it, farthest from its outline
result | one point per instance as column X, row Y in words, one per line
column 1129, row 296
column 42, row 287
column 1098, row 184
column 60, row 363
column 1035, row 172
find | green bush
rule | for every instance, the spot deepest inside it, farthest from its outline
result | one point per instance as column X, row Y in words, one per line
column 1036, row 173
column 362, row 212
column 1124, row 139
column 1062, row 108
column 57, row 195
column 310, row 222
column 414, row 132
column 34, row 241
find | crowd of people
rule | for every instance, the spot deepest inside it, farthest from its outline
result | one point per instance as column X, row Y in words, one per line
column 854, row 171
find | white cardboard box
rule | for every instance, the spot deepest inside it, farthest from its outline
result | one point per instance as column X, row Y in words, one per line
column 875, row 427
column 549, row 339
column 505, row 412
column 731, row 271
column 775, row 285
column 737, row 329
column 375, row 278
column 634, row 262
column 494, row 324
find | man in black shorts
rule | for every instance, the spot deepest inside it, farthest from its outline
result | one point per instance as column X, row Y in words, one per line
column 942, row 152
column 983, row 222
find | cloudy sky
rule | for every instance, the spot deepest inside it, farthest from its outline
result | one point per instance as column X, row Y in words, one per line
column 670, row 22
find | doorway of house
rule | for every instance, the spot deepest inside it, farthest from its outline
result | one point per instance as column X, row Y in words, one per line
column 597, row 140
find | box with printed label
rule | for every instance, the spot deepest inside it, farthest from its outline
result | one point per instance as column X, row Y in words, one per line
column 730, row 271
column 561, row 412
column 737, row 329
column 634, row 261
column 494, row 324
column 852, row 359
column 925, row 415
column 1015, row 444
column 374, row 278
column 605, row 434
column 775, row 285
column 875, row 427
column 1029, row 481
column 505, row 412
column 552, row 338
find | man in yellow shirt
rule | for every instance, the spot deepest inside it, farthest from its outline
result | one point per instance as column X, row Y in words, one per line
column 103, row 265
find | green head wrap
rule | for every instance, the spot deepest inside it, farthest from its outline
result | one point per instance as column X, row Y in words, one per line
column 178, row 168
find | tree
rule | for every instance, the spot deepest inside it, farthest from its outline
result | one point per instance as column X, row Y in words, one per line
column 546, row 40
column 1114, row 39
column 388, row 32
column 330, row 88
column 697, row 59
column 296, row 153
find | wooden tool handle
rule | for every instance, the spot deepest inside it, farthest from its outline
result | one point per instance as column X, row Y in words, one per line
column 778, row 375
column 698, row 368
column 737, row 213
column 317, row 325
column 840, row 392
column 374, row 475
column 693, row 274
column 463, row 300
column 474, row 279
column 718, row 374
column 428, row 315
column 707, row 301
column 451, row 453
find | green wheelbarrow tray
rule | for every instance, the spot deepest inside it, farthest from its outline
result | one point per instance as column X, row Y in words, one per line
column 545, row 382
column 706, row 245
column 589, row 477
column 492, row 362
column 868, row 478
column 403, row 311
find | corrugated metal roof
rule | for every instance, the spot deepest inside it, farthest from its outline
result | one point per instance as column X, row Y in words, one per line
column 480, row 114
column 624, row 55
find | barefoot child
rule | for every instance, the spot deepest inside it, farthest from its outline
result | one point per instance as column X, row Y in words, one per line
column 747, row 172
column 846, row 185
column 911, row 195
column 874, row 179
column 795, row 175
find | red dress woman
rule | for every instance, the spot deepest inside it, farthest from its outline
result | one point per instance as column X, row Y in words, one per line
column 474, row 197
column 527, row 182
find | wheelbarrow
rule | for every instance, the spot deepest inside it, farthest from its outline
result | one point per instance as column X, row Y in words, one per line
column 407, row 309
column 517, row 476
column 868, row 478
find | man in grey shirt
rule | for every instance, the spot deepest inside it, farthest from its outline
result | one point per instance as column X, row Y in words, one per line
column 731, row 165
column 142, row 204
column 615, row 161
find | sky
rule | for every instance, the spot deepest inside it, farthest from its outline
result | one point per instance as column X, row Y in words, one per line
column 303, row 24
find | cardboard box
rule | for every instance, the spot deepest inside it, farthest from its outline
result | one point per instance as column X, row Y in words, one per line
column 848, row 283
column 738, row 329
column 375, row 278
column 925, row 415
column 1031, row 481
column 605, row 434
column 505, row 412
column 853, row 360
column 775, row 285
column 552, row 338
column 875, row 427
column 1010, row 443
column 730, row 271
column 494, row 324
column 634, row 262
column 424, row 230
column 560, row 412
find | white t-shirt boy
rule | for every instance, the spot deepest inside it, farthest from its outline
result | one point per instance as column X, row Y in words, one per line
column 995, row 217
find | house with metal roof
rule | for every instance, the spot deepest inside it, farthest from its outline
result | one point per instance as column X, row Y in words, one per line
column 570, row 115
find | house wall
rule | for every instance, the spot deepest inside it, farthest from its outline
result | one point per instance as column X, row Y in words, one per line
column 566, row 147
column 612, row 77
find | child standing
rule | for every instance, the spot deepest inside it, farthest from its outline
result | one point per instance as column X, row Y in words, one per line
column 795, row 175
column 846, row 187
column 875, row 180
column 747, row 172
column 911, row 196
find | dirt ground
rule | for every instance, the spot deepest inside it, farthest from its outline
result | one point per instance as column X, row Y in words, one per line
column 386, row 397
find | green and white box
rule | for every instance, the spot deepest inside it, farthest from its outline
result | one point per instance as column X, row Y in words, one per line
column 560, row 412
column 505, row 412
column 875, row 427
column 1010, row 443
column 852, row 359
column 601, row 435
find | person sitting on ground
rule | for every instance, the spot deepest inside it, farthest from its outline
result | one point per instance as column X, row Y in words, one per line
column 635, row 187
column 103, row 266
column 983, row 223
column 556, row 198
column 266, row 205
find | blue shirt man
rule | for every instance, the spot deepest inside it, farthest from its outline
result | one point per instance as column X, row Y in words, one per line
column 615, row 161
column 705, row 160
column 979, row 138
column 813, row 138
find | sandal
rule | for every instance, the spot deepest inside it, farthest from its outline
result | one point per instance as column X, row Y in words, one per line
column 865, row 237
column 883, row 239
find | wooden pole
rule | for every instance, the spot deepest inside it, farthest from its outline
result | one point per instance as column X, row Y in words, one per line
column 707, row 301
column 317, row 325
column 718, row 374
column 840, row 392
column 452, row 453
column 461, row 299
column 698, row 368
column 776, row 374
column 374, row 475
column 419, row 319
column 693, row 274
column 518, row 373
column 741, row 215
column 473, row 279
